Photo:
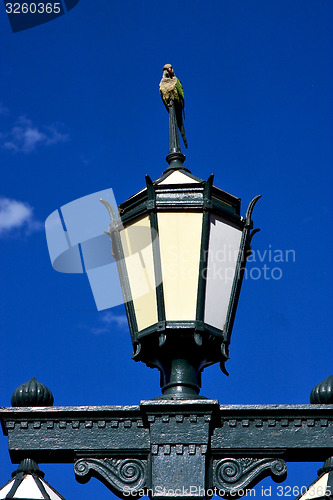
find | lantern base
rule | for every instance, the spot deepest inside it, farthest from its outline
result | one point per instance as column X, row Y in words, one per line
column 180, row 357
column 180, row 379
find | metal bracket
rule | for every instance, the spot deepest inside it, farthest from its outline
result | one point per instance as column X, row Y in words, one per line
column 234, row 476
column 120, row 476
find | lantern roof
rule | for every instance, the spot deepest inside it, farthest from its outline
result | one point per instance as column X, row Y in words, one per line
column 179, row 189
column 28, row 483
column 179, row 176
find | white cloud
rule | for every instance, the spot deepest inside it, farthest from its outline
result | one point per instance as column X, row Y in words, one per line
column 25, row 136
column 16, row 215
column 109, row 319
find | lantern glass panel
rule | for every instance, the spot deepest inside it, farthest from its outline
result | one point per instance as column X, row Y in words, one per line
column 136, row 239
column 178, row 178
column 51, row 492
column 28, row 489
column 180, row 242
column 6, row 489
column 224, row 243
column 317, row 489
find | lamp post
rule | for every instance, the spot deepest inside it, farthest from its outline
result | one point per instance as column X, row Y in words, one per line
column 180, row 245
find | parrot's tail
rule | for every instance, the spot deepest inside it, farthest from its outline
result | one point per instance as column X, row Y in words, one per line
column 182, row 133
column 180, row 122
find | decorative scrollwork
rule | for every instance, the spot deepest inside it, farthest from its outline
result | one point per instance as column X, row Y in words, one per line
column 229, row 470
column 232, row 476
column 120, row 476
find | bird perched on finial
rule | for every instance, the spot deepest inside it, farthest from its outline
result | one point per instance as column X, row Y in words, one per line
column 171, row 89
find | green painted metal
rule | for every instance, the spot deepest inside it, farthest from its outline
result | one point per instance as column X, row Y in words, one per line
column 32, row 393
column 156, row 252
column 204, row 250
column 118, row 254
column 160, row 441
column 293, row 432
column 175, row 157
column 182, row 197
column 244, row 250
column 164, row 344
column 322, row 393
column 174, row 142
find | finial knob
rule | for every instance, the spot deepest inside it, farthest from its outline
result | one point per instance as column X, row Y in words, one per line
column 32, row 393
column 28, row 466
column 322, row 393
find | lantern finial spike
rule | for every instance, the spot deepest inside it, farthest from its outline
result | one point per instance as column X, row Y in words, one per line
column 175, row 157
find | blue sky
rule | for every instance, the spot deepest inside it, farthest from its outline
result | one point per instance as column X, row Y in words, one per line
column 81, row 112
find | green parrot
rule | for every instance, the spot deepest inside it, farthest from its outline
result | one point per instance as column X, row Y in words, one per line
column 171, row 89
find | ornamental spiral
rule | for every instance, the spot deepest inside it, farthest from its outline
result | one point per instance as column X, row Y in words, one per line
column 229, row 470
column 279, row 467
column 131, row 471
column 81, row 468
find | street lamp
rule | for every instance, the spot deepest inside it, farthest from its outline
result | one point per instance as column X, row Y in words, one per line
column 28, row 483
column 181, row 247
